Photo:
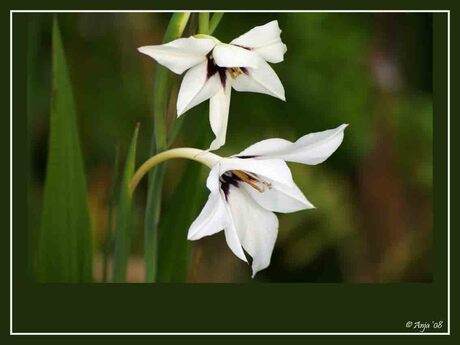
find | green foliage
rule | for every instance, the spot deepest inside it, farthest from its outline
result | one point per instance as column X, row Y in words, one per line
column 203, row 23
column 107, row 248
column 161, row 91
column 183, row 207
column 122, row 241
column 180, row 211
column 152, row 219
column 214, row 22
column 64, row 252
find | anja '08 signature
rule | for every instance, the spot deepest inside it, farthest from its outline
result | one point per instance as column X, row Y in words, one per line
column 422, row 326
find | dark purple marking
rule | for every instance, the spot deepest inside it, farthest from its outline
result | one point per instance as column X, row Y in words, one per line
column 237, row 45
column 212, row 69
column 226, row 180
column 246, row 157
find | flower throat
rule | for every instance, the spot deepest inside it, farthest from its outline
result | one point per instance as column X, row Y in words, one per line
column 235, row 177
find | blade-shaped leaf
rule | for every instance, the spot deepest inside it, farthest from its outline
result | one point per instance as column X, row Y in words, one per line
column 122, row 240
column 64, row 250
column 108, row 241
column 183, row 207
column 214, row 22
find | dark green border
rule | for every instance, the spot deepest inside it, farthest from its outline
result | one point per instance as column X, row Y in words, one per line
column 232, row 5
column 228, row 307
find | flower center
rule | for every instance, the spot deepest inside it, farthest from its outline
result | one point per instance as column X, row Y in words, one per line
column 235, row 177
column 254, row 181
column 236, row 71
column 212, row 69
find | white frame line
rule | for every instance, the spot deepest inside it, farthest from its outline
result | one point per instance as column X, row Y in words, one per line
column 230, row 333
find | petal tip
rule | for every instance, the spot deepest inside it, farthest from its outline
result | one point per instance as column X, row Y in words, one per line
column 216, row 145
column 142, row 49
column 275, row 23
column 180, row 112
column 308, row 205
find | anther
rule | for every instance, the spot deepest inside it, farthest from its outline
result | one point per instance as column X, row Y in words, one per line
column 252, row 180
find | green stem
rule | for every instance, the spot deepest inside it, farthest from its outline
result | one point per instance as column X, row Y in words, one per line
column 203, row 23
column 161, row 90
column 109, row 235
column 205, row 157
column 214, row 22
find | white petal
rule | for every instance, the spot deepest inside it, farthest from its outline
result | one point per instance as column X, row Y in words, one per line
column 280, row 197
column 273, row 52
column 181, row 54
column 256, row 227
column 273, row 169
column 313, row 148
column 265, row 40
column 212, row 181
column 196, row 87
column 262, row 79
column 227, row 55
column 212, row 219
column 267, row 148
column 218, row 115
column 232, row 239
column 284, row 195
column 231, row 236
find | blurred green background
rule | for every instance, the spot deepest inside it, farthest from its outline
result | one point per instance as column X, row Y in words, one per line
column 373, row 221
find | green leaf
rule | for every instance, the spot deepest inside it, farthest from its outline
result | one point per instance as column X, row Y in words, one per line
column 214, row 22
column 107, row 248
column 64, row 250
column 180, row 211
column 152, row 218
column 183, row 207
column 122, row 240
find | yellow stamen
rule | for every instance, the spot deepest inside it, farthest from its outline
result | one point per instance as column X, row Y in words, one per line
column 235, row 72
column 251, row 180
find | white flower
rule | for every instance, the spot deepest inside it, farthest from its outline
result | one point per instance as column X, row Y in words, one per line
column 213, row 68
column 247, row 188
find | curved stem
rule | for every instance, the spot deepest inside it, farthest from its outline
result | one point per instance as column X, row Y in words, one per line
column 205, row 157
